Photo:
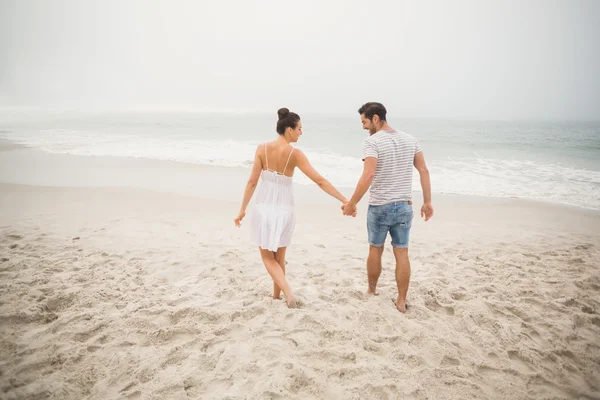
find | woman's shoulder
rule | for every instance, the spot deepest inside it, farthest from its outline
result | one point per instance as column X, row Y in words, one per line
column 277, row 146
column 297, row 153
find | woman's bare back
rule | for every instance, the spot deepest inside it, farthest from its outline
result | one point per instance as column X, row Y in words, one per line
column 276, row 157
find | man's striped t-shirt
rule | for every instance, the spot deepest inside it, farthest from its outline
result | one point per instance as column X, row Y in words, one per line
column 395, row 152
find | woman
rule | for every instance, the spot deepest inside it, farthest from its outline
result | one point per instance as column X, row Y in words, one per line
column 273, row 215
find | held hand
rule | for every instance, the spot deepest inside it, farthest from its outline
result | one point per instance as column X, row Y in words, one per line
column 237, row 221
column 349, row 209
column 427, row 211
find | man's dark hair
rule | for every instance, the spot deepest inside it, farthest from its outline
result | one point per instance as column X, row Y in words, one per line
column 372, row 108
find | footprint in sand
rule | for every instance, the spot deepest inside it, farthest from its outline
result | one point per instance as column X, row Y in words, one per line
column 301, row 336
column 449, row 362
column 134, row 395
column 86, row 335
column 447, row 310
column 415, row 361
column 571, row 303
column 532, row 256
column 104, row 339
column 280, row 341
column 518, row 362
column 272, row 396
column 432, row 304
column 229, row 255
column 458, row 296
column 588, row 310
column 566, row 353
column 485, row 370
column 60, row 303
column 533, row 334
column 516, row 312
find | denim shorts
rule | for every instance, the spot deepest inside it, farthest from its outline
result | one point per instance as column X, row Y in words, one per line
column 395, row 218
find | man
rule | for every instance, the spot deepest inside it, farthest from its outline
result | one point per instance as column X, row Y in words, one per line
column 389, row 157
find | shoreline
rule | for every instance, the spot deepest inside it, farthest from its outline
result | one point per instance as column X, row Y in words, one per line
column 34, row 167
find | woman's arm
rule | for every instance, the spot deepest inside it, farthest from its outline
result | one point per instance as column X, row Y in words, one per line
column 250, row 187
column 324, row 184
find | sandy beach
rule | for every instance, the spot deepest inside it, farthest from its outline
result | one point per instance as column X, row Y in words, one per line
column 121, row 279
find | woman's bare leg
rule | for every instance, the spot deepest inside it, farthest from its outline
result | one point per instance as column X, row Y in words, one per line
column 280, row 258
column 278, row 275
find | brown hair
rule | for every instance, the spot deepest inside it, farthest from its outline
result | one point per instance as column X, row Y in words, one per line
column 286, row 120
column 372, row 108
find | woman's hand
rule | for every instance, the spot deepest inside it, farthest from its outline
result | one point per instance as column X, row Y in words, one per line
column 348, row 209
column 237, row 221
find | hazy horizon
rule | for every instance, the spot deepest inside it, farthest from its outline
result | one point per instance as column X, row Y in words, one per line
column 466, row 60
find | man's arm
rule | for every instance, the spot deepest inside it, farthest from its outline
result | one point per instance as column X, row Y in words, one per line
column 364, row 183
column 419, row 163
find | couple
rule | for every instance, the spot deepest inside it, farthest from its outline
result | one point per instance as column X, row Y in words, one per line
column 388, row 156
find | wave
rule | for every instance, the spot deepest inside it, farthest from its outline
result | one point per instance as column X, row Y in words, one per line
column 543, row 181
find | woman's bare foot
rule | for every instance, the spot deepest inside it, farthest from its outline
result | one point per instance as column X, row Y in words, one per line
column 276, row 298
column 292, row 302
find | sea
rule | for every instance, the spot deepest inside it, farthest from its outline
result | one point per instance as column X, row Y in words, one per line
column 556, row 162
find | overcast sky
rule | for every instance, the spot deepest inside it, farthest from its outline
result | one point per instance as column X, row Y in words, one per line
column 503, row 59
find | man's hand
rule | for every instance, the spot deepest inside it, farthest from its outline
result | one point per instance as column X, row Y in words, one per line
column 349, row 209
column 427, row 211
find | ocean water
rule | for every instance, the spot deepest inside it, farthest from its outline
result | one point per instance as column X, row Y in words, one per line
column 557, row 162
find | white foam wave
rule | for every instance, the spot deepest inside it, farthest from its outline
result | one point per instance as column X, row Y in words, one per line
column 479, row 176
column 547, row 182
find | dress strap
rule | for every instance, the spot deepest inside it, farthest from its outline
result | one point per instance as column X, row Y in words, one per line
column 288, row 160
column 266, row 157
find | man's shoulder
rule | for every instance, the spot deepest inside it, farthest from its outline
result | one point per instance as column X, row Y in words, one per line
column 370, row 139
column 406, row 135
column 375, row 138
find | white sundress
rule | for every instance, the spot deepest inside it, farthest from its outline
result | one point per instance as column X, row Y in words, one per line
column 273, row 215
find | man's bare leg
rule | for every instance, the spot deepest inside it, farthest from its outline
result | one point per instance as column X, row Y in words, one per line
column 402, row 277
column 374, row 268
column 278, row 276
column 280, row 258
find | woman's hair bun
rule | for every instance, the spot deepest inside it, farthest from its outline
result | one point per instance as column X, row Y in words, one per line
column 283, row 112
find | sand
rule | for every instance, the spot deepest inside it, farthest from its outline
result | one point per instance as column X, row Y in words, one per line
column 112, row 293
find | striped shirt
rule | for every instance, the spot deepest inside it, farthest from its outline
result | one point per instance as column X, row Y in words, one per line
column 395, row 152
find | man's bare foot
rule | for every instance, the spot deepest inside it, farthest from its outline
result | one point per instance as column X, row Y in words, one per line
column 401, row 305
column 372, row 288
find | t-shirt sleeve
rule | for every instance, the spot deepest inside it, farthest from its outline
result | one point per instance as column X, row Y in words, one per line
column 417, row 147
column 369, row 149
